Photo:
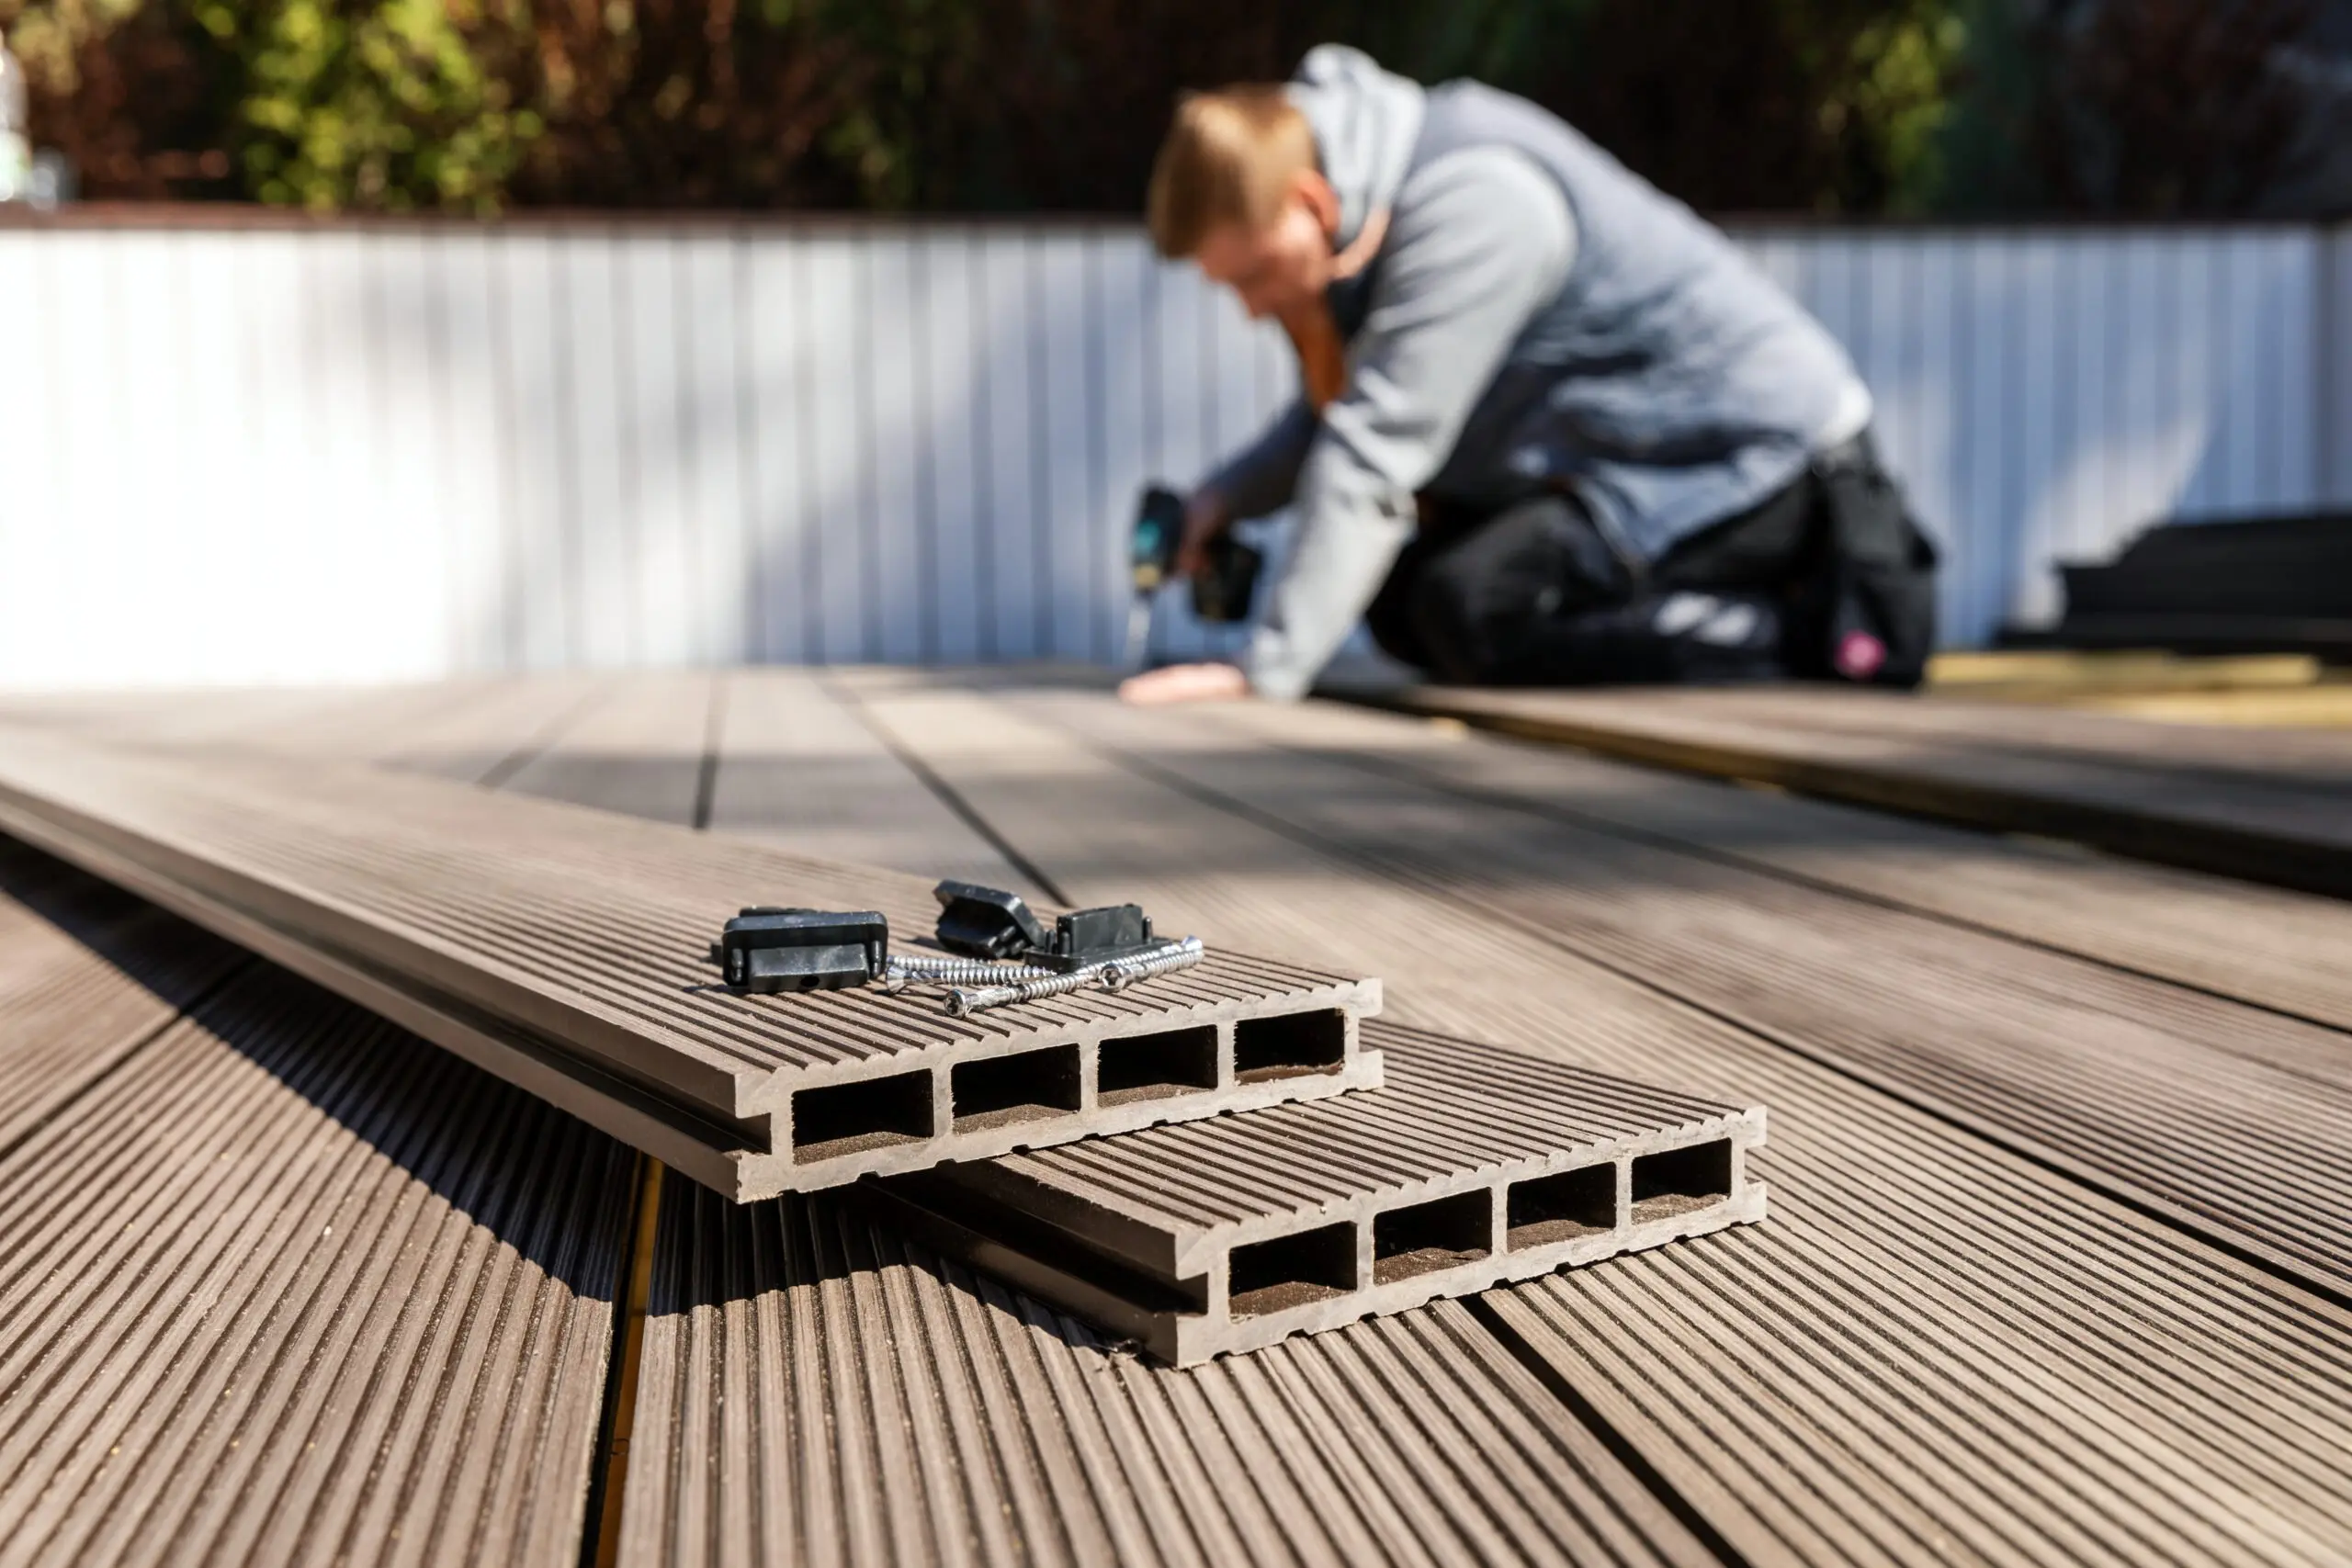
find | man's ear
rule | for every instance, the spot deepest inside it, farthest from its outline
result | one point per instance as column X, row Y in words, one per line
column 1320, row 198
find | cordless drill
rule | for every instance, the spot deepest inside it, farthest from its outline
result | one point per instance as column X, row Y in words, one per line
column 1222, row 589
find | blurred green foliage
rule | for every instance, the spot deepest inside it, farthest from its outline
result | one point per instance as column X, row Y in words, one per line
column 384, row 107
column 475, row 105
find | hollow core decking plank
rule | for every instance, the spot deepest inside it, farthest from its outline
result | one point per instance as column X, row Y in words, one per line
column 1471, row 1167
column 1968, row 1352
column 1010, row 1434
column 564, row 950
column 2198, row 813
column 2265, row 945
column 291, row 1287
column 2220, row 1115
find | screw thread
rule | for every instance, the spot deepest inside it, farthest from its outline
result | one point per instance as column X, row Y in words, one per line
column 963, row 1002
column 1114, row 975
column 900, row 971
column 1126, row 972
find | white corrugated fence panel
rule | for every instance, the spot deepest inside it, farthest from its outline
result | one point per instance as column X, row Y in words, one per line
column 376, row 452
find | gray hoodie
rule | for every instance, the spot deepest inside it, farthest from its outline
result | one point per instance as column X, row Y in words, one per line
column 1535, row 315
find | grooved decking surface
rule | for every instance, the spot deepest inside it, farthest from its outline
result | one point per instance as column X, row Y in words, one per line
column 816, row 1389
column 290, row 1287
column 590, row 941
column 1987, row 1321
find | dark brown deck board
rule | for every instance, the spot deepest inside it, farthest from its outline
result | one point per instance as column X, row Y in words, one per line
column 2263, row 945
column 796, row 768
column 319, row 1291
column 565, row 950
column 2220, row 1115
column 1972, row 1349
column 87, row 976
column 815, row 1389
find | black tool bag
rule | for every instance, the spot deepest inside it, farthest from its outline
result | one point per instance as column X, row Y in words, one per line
column 1865, row 611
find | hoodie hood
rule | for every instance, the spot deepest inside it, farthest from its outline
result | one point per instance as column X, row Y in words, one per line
column 1365, row 122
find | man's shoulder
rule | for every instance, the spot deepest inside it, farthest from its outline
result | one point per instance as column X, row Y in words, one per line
column 1481, row 184
column 1484, row 203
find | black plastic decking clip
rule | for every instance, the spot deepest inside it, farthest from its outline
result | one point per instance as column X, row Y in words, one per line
column 765, row 950
column 986, row 922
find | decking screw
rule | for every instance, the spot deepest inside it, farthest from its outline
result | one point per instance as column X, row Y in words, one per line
column 1125, row 972
column 1111, row 975
column 899, row 971
column 963, row 1002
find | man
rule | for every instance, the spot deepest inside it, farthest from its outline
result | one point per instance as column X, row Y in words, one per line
column 1552, row 428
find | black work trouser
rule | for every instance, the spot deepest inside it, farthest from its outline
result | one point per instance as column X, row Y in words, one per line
column 1533, row 594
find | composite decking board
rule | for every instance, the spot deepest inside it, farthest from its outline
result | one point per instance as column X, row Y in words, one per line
column 2222, row 1116
column 2316, row 707
column 456, row 729
column 361, row 723
column 490, row 734
column 2230, row 779
column 1012, row 1435
column 2089, row 1360
column 795, row 767
column 814, row 1389
column 636, row 747
column 87, row 973
column 585, row 930
column 2279, row 761
column 1472, row 1167
column 315, row 1291
column 2291, row 833
column 1451, row 1107
column 2259, row 944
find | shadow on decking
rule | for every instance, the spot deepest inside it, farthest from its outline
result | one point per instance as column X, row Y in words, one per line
column 816, row 1276
column 537, row 1180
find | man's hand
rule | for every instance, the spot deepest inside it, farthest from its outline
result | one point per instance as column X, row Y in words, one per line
column 1185, row 683
column 1206, row 517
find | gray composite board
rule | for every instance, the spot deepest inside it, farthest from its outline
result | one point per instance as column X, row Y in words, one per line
column 1942, row 1347
column 565, row 950
column 2288, row 824
column 2066, row 1060
column 1473, row 1167
column 290, row 1286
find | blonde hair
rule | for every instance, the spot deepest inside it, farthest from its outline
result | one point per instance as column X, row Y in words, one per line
column 1229, row 158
